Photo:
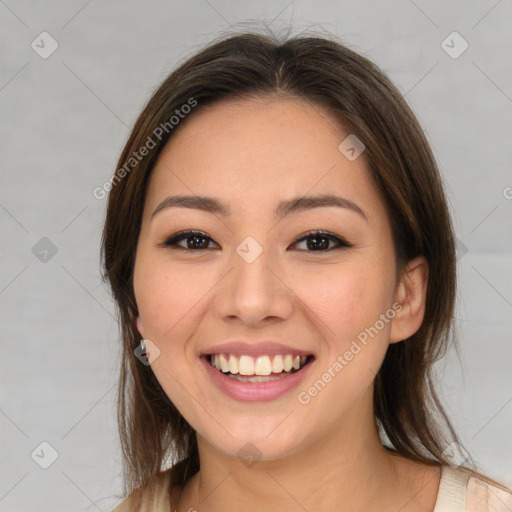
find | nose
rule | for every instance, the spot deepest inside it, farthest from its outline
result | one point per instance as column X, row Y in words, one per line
column 255, row 292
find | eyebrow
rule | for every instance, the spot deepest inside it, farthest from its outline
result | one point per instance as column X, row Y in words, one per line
column 287, row 207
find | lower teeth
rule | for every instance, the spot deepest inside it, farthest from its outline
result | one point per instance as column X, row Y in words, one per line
column 256, row 378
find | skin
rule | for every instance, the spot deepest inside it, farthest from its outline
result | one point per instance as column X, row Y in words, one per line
column 325, row 455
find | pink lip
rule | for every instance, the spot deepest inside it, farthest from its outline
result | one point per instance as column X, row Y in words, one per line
column 254, row 391
column 255, row 349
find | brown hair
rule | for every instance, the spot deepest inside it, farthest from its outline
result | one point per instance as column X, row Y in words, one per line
column 327, row 73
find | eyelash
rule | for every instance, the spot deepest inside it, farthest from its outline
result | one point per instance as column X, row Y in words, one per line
column 171, row 242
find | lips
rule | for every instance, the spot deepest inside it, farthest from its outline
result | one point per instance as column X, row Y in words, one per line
column 255, row 388
column 256, row 370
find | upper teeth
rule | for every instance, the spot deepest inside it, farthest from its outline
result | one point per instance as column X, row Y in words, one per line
column 262, row 365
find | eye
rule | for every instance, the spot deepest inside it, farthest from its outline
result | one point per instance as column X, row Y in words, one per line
column 195, row 240
column 318, row 241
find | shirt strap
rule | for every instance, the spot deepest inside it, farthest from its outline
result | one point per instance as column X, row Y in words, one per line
column 451, row 496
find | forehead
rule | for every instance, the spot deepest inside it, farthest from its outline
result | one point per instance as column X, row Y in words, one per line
column 261, row 151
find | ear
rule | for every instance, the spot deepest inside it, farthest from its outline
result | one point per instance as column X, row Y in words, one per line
column 140, row 327
column 411, row 293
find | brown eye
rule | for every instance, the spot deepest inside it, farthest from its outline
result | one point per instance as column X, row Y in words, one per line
column 318, row 241
column 194, row 240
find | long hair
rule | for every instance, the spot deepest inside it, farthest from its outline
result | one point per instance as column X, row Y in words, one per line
column 327, row 73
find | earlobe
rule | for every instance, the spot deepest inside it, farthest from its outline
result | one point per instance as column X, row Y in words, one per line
column 140, row 327
column 411, row 293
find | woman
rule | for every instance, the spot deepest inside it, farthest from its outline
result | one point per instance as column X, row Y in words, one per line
column 281, row 253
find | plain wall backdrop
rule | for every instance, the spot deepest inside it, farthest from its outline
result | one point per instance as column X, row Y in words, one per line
column 66, row 112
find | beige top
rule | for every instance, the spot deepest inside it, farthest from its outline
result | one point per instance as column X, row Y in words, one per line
column 459, row 491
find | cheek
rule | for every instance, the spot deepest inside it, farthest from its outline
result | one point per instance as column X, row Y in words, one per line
column 170, row 299
column 344, row 305
column 345, row 300
column 167, row 295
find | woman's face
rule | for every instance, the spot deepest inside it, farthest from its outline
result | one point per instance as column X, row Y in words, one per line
column 246, row 278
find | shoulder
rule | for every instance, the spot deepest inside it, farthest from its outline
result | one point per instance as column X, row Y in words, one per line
column 464, row 489
column 153, row 496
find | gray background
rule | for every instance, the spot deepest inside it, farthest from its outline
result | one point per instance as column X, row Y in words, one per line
column 64, row 122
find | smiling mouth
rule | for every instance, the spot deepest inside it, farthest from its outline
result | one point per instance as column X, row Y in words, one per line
column 264, row 368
